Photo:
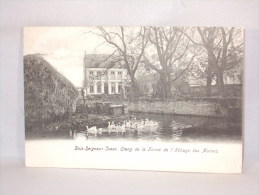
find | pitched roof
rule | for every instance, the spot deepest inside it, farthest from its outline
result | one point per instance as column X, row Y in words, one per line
column 102, row 61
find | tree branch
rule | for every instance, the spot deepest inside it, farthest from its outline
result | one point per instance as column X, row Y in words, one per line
column 182, row 72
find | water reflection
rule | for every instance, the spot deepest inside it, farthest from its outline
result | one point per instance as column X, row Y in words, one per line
column 147, row 126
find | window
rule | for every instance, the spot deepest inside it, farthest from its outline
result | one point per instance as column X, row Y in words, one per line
column 91, row 88
column 91, row 74
column 112, row 75
column 113, row 87
column 99, row 73
column 120, row 88
column 105, row 77
column 99, row 88
column 119, row 75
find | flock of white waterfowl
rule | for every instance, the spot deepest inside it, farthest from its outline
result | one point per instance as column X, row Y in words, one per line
column 129, row 126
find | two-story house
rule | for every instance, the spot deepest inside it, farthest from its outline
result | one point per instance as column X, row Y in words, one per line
column 104, row 75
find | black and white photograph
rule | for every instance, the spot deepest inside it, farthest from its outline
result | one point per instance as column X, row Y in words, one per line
column 129, row 97
column 167, row 86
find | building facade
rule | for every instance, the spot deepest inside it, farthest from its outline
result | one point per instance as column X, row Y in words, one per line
column 103, row 75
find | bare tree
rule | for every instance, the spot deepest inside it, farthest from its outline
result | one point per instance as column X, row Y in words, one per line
column 209, row 37
column 129, row 44
column 171, row 58
column 223, row 52
column 222, row 45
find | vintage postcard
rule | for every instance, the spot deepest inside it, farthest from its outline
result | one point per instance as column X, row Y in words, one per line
column 136, row 98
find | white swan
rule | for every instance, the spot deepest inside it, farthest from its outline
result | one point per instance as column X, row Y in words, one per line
column 111, row 125
column 100, row 130
column 117, row 128
column 128, row 124
column 123, row 128
column 92, row 130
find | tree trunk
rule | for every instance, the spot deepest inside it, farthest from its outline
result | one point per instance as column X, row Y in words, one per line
column 211, row 65
column 220, row 83
column 135, row 89
column 208, row 86
column 168, row 90
column 163, row 87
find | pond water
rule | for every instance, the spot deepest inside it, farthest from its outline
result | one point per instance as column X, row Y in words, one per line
column 147, row 126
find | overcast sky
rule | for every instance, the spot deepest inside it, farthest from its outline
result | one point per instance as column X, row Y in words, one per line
column 64, row 48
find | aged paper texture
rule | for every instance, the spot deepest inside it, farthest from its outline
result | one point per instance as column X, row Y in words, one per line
column 136, row 98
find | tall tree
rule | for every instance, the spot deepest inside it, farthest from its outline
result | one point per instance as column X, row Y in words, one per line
column 223, row 52
column 222, row 45
column 171, row 57
column 209, row 38
column 129, row 44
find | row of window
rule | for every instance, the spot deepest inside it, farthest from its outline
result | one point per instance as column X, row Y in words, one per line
column 104, row 75
column 99, row 88
column 99, row 72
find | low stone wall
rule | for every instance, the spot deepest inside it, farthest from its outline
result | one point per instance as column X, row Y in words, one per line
column 215, row 107
column 231, row 90
column 202, row 107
